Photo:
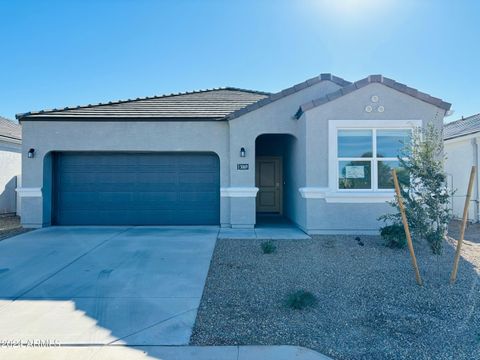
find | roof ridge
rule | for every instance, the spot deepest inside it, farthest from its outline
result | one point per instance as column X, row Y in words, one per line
column 115, row 102
column 233, row 88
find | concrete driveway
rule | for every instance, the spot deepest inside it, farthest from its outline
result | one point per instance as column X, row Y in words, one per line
column 103, row 285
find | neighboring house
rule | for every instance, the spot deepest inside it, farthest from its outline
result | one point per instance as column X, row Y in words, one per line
column 10, row 164
column 318, row 153
column 462, row 142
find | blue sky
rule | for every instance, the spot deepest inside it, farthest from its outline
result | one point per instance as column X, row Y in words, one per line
column 60, row 53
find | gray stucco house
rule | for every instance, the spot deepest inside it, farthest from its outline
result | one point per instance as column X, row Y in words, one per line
column 317, row 153
column 10, row 164
column 462, row 144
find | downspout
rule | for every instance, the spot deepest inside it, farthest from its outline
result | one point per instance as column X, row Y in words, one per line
column 475, row 192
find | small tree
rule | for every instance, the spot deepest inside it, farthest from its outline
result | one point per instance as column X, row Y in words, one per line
column 424, row 191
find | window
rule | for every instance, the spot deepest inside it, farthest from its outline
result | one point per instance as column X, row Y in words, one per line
column 366, row 157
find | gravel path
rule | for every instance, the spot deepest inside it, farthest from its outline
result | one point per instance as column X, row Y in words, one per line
column 10, row 226
column 369, row 306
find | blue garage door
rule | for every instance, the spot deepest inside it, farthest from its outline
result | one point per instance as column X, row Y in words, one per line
column 95, row 188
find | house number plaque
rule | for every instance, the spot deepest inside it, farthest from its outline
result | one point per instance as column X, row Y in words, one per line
column 242, row 166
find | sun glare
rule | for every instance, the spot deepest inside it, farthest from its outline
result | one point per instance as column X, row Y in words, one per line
column 352, row 9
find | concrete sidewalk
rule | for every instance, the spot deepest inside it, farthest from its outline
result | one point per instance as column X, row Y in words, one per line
column 280, row 352
column 264, row 232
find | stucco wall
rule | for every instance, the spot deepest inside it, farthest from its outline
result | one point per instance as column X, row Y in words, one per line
column 460, row 158
column 49, row 136
column 10, row 168
column 346, row 217
column 274, row 118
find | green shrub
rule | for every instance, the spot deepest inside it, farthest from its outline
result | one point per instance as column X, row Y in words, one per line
column 301, row 299
column 394, row 236
column 424, row 189
column 268, row 247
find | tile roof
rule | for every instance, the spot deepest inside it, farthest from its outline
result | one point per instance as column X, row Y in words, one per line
column 462, row 127
column 369, row 80
column 211, row 104
column 293, row 89
column 9, row 129
column 215, row 104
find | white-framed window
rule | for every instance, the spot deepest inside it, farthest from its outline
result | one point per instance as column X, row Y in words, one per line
column 363, row 153
column 366, row 157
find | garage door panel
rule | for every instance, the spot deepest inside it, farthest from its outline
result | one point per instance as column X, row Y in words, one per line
column 87, row 200
column 136, row 188
column 70, row 178
column 157, row 177
column 195, row 187
column 201, row 197
column 190, row 188
column 198, row 178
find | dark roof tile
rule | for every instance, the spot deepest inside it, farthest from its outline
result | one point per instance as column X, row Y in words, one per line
column 388, row 82
column 9, row 129
column 340, row 81
column 334, row 95
column 361, row 83
column 375, row 78
column 348, row 89
column 462, row 127
column 320, row 101
column 205, row 104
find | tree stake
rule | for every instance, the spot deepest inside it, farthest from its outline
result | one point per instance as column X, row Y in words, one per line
column 406, row 228
column 453, row 277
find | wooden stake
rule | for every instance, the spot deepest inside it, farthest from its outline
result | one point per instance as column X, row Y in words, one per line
column 453, row 277
column 407, row 229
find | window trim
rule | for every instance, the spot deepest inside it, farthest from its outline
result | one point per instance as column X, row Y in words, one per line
column 333, row 160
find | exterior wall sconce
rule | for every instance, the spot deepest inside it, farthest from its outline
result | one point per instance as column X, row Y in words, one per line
column 31, row 153
column 242, row 152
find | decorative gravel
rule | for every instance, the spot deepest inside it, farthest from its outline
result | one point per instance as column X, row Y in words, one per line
column 10, row 226
column 369, row 306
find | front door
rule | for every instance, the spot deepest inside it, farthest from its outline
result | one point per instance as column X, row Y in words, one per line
column 268, row 179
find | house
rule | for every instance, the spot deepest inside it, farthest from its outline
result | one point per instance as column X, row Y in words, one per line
column 317, row 153
column 10, row 164
column 462, row 141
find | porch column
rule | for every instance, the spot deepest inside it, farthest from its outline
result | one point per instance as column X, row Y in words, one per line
column 242, row 205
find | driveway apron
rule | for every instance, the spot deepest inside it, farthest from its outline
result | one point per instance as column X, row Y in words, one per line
column 104, row 285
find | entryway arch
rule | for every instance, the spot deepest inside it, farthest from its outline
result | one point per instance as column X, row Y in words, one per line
column 276, row 165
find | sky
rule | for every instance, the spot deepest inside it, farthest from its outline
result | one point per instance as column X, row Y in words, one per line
column 76, row 52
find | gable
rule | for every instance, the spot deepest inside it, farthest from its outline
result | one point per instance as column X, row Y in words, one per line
column 374, row 79
column 324, row 79
column 374, row 102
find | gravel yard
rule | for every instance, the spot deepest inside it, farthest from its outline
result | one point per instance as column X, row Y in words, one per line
column 10, row 226
column 369, row 306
